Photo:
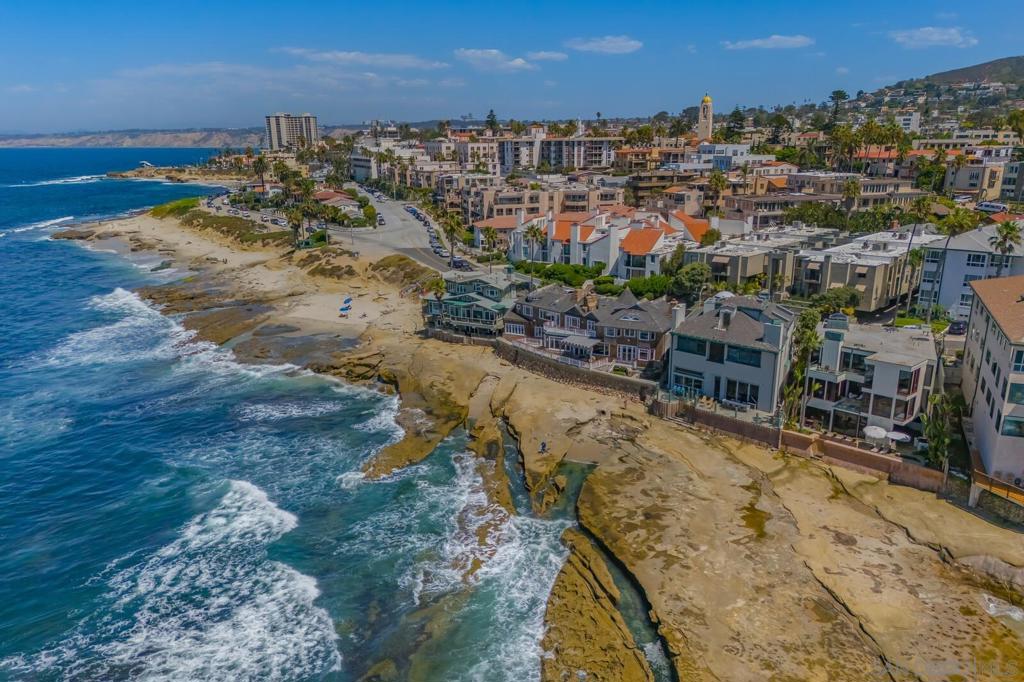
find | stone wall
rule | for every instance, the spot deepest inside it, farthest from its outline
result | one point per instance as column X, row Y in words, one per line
column 569, row 374
column 452, row 337
column 1003, row 508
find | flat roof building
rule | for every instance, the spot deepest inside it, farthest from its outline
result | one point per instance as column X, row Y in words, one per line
column 291, row 131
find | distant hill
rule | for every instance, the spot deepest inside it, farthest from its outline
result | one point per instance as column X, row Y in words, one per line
column 207, row 137
column 1005, row 70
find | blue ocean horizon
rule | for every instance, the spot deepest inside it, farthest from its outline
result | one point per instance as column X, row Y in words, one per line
column 168, row 513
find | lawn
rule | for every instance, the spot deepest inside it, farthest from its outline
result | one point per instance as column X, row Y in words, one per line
column 937, row 325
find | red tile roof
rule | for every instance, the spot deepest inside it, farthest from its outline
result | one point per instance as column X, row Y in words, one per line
column 641, row 242
column 695, row 226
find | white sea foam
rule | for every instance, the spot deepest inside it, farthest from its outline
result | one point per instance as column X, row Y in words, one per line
column 209, row 605
column 383, row 420
column 42, row 224
column 270, row 412
column 74, row 180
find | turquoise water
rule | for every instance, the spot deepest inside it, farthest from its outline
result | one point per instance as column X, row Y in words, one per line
column 167, row 513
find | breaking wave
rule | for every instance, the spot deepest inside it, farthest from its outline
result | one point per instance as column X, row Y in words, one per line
column 209, row 605
column 74, row 180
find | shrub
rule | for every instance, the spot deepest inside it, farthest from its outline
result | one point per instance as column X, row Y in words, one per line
column 175, row 208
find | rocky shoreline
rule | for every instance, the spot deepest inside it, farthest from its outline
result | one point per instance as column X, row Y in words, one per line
column 755, row 565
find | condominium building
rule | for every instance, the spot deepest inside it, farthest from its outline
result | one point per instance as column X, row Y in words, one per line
column 291, row 131
column 536, row 148
column 993, row 378
column 949, row 270
column 869, row 375
column 874, row 265
column 766, row 256
column 735, row 349
column 480, row 203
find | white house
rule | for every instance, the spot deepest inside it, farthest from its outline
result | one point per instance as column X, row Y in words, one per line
column 993, row 378
column 949, row 270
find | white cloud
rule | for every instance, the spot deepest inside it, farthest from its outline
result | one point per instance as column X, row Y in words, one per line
column 933, row 36
column 605, row 44
column 842, row 70
column 492, row 60
column 384, row 60
column 452, row 83
column 20, row 89
column 547, row 55
column 691, row 48
column 772, row 42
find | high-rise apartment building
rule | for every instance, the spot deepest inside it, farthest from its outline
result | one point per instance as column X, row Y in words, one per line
column 289, row 131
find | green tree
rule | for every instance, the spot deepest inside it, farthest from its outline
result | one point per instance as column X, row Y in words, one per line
column 295, row 217
column 491, row 123
column 690, row 280
column 672, row 263
column 734, row 126
column 958, row 221
column 834, row 300
column 837, row 98
column 717, row 183
column 805, row 342
column 851, row 190
column 936, row 422
column 921, row 211
column 490, row 239
column 1005, row 240
column 370, row 213
column 451, row 225
column 260, row 166
column 710, row 237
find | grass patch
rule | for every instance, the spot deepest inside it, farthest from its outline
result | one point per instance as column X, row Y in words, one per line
column 402, row 270
column 937, row 325
column 175, row 208
column 239, row 229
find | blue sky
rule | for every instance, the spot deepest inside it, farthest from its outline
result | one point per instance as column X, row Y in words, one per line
column 110, row 65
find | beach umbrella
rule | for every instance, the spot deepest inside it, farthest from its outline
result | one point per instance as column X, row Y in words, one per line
column 874, row 432
column 899, row 437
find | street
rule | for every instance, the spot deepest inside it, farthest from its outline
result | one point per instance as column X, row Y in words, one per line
column 402, row 234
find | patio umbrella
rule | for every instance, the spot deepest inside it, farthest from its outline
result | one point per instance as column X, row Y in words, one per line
column 874, row 432
column 898, row 437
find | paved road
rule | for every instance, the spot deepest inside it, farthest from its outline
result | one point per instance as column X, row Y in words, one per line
column 402, row 234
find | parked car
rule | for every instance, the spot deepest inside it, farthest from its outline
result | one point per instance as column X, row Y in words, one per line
column 958, row 328
column 992, row 207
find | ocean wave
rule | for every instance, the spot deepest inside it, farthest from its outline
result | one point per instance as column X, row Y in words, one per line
column 74, row 180
column 42, row 224
column 271, row 412
column 209, row 605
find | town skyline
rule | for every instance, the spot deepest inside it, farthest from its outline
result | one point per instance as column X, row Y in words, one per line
column 359, row 64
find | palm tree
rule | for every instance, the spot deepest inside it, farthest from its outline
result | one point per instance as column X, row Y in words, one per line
column 452, row 227
column 959, row 161
column 958, row 221
column 534, row 235
column 295, row 218
column 717, row 183
column 1004, row 241
column 851, row 190
column 921, row 209
column 745, row 173
column 490, row 236
column 260, row 167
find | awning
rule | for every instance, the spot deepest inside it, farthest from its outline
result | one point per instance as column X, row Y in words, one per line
column 861, row 270
column 720, row 259
column 861, row 287
column 581, row 342
column 814, row 265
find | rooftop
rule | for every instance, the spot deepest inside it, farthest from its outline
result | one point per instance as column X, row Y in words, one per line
column 1004, row 299
column 745, row 328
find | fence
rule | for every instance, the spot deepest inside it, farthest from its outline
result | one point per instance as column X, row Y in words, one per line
column 758, row 433
column 452, row 337
column 553, row 368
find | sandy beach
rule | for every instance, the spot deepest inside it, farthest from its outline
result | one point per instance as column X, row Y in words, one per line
column 755, row 565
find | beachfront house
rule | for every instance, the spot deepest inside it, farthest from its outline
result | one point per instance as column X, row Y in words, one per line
column 735, row 349
column 591, row 330
column 870, row 375
column 473, row 303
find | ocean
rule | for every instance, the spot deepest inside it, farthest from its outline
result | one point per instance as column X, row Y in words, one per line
column 168, row 513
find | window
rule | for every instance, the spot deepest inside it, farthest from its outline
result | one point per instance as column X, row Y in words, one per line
column 1016, row 394
column 907, row 383
column 744, row 356
column 976, row 260
column 970, row 278
column 688, row 382
column 687, row 344
column 932, row 256
column 966, row 300
column 716, row 352
column 525, row 310
column 517, row 329
column 882, row 407
column 629, row 333
column 904, row 409
column 741, row 391
column 1013, row 426
column 1018, row 361
column 611, row 332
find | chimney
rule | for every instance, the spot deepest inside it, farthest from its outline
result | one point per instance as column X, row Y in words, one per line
column 709, row 305
column 590, row 301
column 678, row 315
column 614, row 240
column 551, row 226
column 724, row 318
column 895, row 224
column 575, row 256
